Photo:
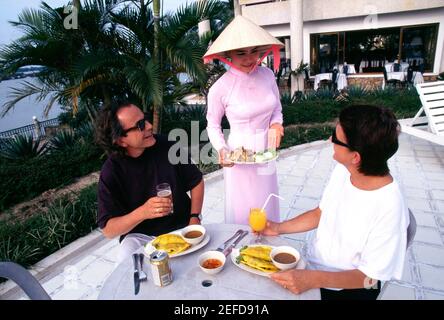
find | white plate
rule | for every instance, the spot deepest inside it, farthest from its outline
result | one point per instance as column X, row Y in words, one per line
column 235, row 253
column 149, row 248
column 261, row 162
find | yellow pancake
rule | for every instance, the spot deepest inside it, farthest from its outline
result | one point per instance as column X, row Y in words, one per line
column 259, row 264
column 171, row 243
column 260, row 252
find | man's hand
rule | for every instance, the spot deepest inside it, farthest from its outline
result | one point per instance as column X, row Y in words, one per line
column 275, row 134
column 223, row 158
column 157, row 207
column 295, row 280
column 194, row 220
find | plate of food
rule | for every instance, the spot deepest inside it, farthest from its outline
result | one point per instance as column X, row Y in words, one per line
column 246, row 156
column 179, row 242
column 257, row 259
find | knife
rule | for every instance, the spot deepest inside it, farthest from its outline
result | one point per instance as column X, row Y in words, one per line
column 235, row 243
column 223, row 246
column 136, row 273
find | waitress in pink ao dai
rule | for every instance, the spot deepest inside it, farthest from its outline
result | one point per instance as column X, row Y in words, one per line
column 251, row 103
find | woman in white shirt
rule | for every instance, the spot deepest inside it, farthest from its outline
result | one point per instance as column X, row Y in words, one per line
column 361, row 220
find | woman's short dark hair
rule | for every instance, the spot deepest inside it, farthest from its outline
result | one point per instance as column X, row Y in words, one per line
column 108, row 128
column 373, row 132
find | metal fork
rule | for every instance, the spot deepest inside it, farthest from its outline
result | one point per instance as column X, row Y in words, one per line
column 142, row 274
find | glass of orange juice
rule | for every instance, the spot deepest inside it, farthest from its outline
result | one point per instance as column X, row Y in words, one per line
column 258, row 222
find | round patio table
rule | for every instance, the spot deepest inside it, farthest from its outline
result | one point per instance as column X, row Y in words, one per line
column 191, row 283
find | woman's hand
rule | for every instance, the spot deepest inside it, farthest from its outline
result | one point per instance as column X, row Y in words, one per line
column 271, row 229
column 223, row 158
column 295, row 280
column 275, row 134
column 157, row 207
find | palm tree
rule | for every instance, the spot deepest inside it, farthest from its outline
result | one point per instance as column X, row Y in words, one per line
column 149, row 62
column 47, row 43
column 157, row 104
column 173, row 48
column 114, row 52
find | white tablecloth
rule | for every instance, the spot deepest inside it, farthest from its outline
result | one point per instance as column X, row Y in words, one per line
column 341, row 81
column 232, row 283
column 351, row 68
column 389, row 66
column 371, row 63
column 402, row 76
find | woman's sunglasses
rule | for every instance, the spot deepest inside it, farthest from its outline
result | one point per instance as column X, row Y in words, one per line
column 335, row 140
column 139, row 125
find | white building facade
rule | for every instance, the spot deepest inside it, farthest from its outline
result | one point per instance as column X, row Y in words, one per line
column 365, row 33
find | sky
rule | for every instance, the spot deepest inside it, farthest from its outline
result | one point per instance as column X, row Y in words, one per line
column 9, row 10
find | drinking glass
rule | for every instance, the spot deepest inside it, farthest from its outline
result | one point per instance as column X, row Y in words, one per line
column 164, row 191
column 258, row 222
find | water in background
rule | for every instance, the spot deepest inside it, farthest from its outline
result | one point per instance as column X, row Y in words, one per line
column 23, row 111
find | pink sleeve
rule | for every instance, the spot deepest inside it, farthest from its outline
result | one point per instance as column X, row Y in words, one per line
column 215, row 113
column 276, row 116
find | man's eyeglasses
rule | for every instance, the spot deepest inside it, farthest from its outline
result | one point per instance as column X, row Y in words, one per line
column 335, row 140
column 139, row 125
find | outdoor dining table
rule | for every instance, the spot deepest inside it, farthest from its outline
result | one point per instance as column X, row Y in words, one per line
column 389, row 67
column 402, row 76
column 191, row 283
column 341, row 81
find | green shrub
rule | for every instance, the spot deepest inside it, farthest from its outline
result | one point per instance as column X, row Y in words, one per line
column 404, row 103
column 22, row 147
column 286, row 99
column 23, row 180
column 320, row 106
column 74, row 120
column 62, row 140
column 208, row 168
column 357, row 92
column 85, row 132
column 311, row 111
column 299, row 134
column 47, row 232
column 180, row 118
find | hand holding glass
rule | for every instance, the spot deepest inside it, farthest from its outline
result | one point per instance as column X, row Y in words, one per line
column 164, row 191
column 258, row 222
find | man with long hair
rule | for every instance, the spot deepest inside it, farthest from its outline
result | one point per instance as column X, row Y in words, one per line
column 137, row 162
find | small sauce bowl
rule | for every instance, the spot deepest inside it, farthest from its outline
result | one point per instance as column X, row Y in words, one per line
column 285, row 257
column 212, row 262
column 193, row 234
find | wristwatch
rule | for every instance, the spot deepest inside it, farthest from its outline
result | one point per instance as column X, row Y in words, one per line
column 196, row 215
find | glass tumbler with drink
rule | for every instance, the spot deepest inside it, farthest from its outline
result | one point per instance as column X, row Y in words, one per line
column 258, row 222
column 164, row 191
column 258, row 219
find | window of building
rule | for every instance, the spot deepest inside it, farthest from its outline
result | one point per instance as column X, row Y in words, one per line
column 419, row 45
column 370, row 50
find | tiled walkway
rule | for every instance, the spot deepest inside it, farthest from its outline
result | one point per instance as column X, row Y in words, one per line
column 79, row 270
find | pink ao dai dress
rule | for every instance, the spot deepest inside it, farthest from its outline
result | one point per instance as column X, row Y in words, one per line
column 251, row 104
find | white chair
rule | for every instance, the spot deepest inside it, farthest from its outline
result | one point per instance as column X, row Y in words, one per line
column 432, row 99
column 411, row 231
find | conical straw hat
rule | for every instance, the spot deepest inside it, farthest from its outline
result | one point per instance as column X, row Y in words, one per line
column 240, row 33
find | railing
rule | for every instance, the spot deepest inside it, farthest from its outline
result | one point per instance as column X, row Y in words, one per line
column 250, row 2
column 36, row 130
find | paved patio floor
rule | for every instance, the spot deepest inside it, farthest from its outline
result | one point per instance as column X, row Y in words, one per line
column 79, row 270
